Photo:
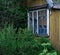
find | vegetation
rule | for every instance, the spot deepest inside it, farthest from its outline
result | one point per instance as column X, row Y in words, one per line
column 23, row 43
column 58, row 0
column 13, row 11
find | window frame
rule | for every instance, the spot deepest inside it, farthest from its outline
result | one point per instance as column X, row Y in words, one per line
column 48, row 13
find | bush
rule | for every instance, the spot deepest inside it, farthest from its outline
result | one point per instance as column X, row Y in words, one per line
column 20, row 43
column 48, row 48
column 23, row 43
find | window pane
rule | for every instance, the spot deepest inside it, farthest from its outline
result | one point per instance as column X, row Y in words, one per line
column 35, row 22
column 30, row 17
column 39, row 13
column 42, row 31
column 45, row 26
column 45, row 31
column 45, row 21
column 42, row 21
column 35, row 15
column 40, row 26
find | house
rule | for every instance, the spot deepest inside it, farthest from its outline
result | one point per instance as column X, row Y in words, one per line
column 44, row 19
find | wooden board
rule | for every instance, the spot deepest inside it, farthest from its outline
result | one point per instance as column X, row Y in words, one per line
column 55, row 28
column 32, row 3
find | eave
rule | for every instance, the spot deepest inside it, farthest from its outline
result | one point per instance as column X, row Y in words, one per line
column 56, row 6
column 53, row 4
column 38, row 7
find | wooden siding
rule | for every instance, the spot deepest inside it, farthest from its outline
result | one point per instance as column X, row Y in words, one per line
column 32, row 3
column 55, row 28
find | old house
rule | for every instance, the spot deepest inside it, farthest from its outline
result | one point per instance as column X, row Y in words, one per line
column 44, row 19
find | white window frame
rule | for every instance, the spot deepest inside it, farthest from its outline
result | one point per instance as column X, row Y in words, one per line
column 48, row 13
column 37, row 20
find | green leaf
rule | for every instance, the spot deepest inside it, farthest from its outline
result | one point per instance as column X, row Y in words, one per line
column 45, row 44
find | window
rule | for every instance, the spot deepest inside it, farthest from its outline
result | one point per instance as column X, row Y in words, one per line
column 39, row 21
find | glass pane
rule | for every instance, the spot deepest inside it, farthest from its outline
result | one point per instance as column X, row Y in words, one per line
column 35, row 15
column 45, row 21
column 42, row 22
column 45, row 31
column 42, row 31
column 35, row 22
column 39, row 13
column 45, row 26
column 30, row 15
column 40, row 26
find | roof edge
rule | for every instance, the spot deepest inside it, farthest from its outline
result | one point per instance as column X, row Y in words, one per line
column 38, row 7
column 52, row 4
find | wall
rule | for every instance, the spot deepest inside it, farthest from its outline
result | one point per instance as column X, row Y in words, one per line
column 36, row 2
column 55, row 28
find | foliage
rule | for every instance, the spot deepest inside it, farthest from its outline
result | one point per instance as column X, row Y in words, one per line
column 13, row 11
column 23, row 43
column 58, row 0
column 48, row 49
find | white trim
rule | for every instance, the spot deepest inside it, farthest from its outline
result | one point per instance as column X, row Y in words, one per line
column 37, row 23
column 28, row 21
column 37, row 10
column 48, row 21
column 33, row 21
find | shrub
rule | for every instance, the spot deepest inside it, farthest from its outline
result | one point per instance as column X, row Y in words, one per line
column 20, row 43
column 23, row 43
column 48, row 48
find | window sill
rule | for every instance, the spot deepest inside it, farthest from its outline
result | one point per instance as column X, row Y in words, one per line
column 39, row 35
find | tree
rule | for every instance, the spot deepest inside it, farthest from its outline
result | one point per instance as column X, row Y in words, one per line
column 13, row 11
